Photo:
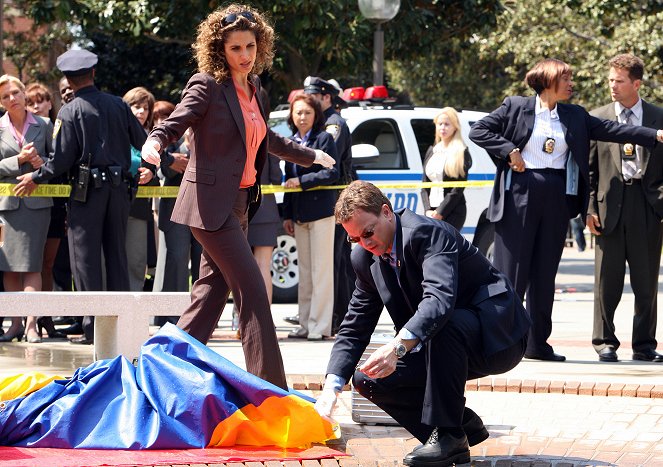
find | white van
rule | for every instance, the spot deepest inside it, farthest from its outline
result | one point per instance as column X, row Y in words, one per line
column 402, row 135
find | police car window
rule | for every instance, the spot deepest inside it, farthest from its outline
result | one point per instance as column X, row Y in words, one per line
column 280, row 126
column 424, row 132
column 382, row 134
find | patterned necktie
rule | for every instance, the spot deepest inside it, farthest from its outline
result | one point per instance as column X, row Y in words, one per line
column 389, row 259
column 629, row 168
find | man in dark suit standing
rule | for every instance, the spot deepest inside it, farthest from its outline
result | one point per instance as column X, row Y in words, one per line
column 457, row 318
column 625, row 211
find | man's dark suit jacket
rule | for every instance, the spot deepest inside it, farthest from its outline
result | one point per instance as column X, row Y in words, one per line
column 511, row 126
column 218, row 151
column 606, row 192
column 439, row 272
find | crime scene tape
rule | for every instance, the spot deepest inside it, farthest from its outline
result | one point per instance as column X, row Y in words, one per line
column 62, row 191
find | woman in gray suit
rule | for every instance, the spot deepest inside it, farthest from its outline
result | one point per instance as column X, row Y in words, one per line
column 25, row 142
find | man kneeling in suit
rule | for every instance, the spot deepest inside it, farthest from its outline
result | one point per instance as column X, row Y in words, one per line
column 457, row 318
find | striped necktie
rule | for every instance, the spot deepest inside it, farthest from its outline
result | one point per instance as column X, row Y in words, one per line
column 629, row 167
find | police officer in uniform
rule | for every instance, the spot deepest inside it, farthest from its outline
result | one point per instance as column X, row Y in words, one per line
column 344, row 276
column 91, row 141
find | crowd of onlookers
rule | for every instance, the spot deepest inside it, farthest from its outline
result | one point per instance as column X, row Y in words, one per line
column 162, row 255
column 35, row 254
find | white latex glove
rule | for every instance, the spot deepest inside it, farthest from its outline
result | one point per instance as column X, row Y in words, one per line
column 150, row 152
column 326, row 403
column 323, row 159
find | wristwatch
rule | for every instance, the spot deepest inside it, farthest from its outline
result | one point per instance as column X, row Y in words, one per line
column 399, row 349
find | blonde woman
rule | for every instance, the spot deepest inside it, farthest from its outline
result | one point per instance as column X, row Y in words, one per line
column 448, row 160
column 25, row 142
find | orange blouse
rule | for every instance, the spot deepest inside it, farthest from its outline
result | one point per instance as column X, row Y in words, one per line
column 255, row 128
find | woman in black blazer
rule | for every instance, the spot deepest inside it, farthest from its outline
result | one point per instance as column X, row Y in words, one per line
column 309, row 216
column 542, row 149
column 448, row 160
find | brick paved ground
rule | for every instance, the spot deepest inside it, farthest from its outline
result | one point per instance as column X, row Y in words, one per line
column 577, row 413
column 526, row 429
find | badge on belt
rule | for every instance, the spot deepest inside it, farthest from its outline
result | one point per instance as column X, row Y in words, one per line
column 629, row 152
column 549, row 145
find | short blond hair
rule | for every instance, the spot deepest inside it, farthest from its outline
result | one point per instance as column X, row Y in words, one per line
column 6, row 79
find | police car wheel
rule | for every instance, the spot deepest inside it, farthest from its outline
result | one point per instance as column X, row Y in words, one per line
column 285, row 270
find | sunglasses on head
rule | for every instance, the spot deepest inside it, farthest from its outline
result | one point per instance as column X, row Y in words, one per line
column 367, row 234
column 232, row 17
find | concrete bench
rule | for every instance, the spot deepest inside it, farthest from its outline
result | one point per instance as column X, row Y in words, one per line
column 122, row 318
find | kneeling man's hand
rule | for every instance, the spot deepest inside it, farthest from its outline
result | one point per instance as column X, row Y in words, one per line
column 326, row 403
column 381, row 363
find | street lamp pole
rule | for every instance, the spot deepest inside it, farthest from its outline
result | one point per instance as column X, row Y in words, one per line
column 379, row 11
column 378, row 55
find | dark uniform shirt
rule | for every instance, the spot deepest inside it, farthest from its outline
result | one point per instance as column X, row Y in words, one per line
column 97, row 125
column 336, row 126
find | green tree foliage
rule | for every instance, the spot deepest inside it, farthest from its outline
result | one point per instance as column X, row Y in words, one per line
column 480, row 72
column 329, row 39
column 30, row 49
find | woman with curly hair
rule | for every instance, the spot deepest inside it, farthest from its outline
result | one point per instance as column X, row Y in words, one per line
column 220, row 188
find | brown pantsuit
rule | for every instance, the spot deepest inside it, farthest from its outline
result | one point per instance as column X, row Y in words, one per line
column 211, row 202
column 226, row 263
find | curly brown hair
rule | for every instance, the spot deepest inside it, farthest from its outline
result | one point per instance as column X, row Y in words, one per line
column 212, row 34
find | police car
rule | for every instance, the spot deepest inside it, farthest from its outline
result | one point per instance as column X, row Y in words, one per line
column 401, row 134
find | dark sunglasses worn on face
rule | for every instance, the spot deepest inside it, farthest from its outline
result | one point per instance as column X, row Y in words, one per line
column 367, row 234
column 232, row 17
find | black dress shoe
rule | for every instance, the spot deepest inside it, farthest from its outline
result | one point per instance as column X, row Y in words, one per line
column 75, row 328
column 82, row 341
column 608, row 354
column 292, row 319
column 474, row 428
column 549, row 357
column 441, row 449
column 648, row 355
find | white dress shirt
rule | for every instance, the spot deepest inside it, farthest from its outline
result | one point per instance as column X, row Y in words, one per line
column 546, row 125
column 636, row 119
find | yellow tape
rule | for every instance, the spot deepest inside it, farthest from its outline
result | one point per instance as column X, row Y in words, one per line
column 53, row 191
column 271, row 189
column 62, row 191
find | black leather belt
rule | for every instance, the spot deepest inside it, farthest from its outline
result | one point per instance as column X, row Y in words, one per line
column 632, row 181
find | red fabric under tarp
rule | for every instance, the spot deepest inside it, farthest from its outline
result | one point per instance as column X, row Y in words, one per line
column 40, row 457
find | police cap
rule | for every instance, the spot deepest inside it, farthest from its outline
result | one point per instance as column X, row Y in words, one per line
column 315, row 85
column 76, row 62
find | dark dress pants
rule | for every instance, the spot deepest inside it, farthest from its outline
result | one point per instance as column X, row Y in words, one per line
column 227, row 263
column 636, row 239
column 529, row 240
column 344, row 277
column 427, row 390
column 99, row 224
